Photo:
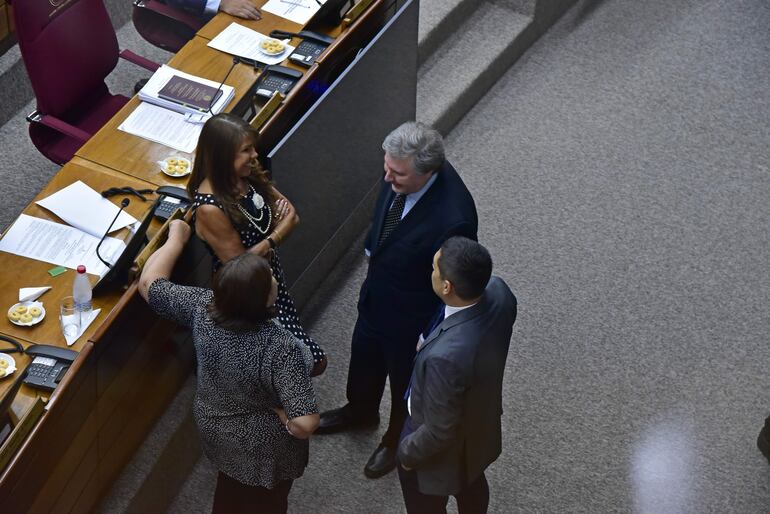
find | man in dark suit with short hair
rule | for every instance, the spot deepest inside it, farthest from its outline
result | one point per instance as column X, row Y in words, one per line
column 422, row 202
column 455, row 394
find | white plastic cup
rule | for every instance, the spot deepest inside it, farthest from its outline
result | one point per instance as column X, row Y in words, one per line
column 69, row 316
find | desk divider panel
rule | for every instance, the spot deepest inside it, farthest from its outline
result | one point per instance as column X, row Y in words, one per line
column 330, row 163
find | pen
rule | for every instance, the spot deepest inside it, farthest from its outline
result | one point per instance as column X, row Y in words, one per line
column 295, row 4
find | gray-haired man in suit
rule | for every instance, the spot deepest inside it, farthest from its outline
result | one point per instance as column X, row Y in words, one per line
column 455, row 395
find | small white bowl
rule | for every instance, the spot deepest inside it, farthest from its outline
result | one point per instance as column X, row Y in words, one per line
column 173, row 161
column 11, row 365
column 35, row 319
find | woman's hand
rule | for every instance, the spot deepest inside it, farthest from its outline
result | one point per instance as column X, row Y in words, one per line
column 319, row 367
column 179, row 231
column 283, row 209
column 262, row 249
column 161, row 263
column 281, row 414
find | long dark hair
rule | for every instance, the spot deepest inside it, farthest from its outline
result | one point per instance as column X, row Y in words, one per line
column 220, row 139
column 241, row 287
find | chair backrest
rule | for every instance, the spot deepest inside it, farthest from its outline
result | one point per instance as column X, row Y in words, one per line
column 165, row 26
column 68, row 47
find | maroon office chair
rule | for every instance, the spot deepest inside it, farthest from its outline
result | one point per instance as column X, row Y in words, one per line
column 69, row 47
column 164, row 26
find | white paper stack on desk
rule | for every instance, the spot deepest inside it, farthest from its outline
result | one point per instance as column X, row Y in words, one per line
column 172, row 123
column 152, row 92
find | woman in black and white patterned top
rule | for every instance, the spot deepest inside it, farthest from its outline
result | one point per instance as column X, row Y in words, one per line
column 254, row 404
column 237, row 209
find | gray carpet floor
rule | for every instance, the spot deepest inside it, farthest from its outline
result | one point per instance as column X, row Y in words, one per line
column 620, row 171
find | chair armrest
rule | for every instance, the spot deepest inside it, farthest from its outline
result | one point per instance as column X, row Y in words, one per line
column 60, row 126
column 179, row 15
column 139, row 60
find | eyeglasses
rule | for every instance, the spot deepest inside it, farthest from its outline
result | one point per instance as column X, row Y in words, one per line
column 127, row 191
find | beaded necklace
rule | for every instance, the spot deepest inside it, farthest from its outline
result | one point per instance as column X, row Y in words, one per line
column 259, row 203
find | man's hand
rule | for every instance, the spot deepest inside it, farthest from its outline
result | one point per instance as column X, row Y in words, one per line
column 240, row 8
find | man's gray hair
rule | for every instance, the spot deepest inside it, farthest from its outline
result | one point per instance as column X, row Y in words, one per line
column 417, row 141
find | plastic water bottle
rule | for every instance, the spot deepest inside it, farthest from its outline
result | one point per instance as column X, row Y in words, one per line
column 81, row 291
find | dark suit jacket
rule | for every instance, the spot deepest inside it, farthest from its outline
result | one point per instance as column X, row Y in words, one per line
column 196, row 7
column 456, row 395
column 397, row 296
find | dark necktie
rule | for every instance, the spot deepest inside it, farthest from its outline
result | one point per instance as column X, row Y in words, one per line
column 436, row 321
column 393, row 218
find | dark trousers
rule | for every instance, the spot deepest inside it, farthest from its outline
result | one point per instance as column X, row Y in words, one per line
column 376, row 354
column 473, row 499
column 234, row 497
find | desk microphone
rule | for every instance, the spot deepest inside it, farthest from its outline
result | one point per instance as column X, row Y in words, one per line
column 236, row 60
column 123, row 205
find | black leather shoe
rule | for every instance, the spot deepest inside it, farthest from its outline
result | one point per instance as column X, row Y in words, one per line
column 764, row 444
column 382, row 462
column 338, row 420
column 140, row 84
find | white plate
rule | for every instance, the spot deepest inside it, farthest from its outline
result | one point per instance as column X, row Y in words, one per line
column 35, row 320
column 164, row 166
column 272, row 54
column 11, row 365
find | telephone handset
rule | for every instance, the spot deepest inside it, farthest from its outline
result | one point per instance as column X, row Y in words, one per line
column 304, row 34
column 49, row 364
column 171, row 199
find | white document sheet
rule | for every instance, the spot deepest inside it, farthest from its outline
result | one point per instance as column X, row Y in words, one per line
column 59, row 244
column 244, row 42
column 298, row 11
column 163, row 126
column 84, row 208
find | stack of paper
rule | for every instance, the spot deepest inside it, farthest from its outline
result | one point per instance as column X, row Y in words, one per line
column 173, row 129
column 85, row 209
column 164, row 74
column 59, row 244
column 244, row 42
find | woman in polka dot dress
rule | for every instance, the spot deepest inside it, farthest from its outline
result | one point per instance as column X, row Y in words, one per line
column 237, row 209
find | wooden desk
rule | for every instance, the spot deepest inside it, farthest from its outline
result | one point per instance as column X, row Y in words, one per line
column 129, row 367
column 35, row 273
column 22, row 361
column 138, row 157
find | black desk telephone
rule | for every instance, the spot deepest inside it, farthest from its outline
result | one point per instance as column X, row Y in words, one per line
column 171, row 199
column 276, row 78
column 49, row 364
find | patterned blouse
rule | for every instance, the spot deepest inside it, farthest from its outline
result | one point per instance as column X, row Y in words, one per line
column 240, row 377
